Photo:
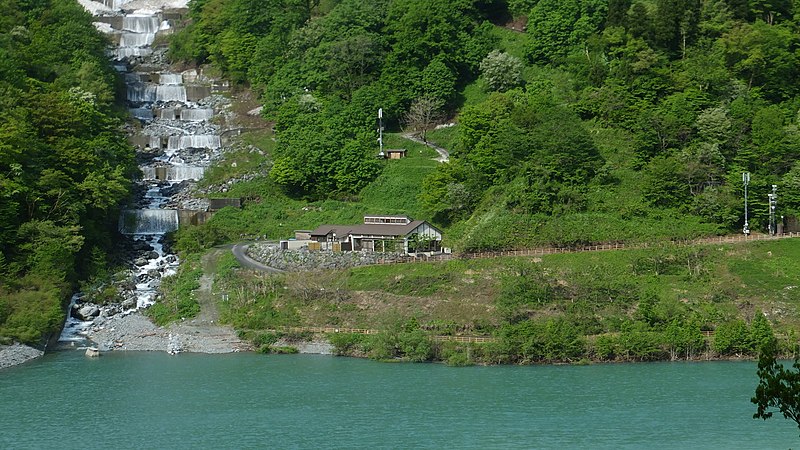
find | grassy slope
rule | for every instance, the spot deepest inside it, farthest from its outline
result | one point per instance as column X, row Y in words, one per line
column 712, row 283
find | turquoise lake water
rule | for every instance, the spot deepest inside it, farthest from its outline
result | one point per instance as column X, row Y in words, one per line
column 154, row 401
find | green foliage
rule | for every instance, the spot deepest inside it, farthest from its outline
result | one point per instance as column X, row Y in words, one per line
column 778, row 386
column 178, row 299
column 346, row 344
column 65, row 165
column 501, row 71
column 408, row 345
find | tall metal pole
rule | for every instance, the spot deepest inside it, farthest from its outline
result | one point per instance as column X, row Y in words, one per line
column 380, row 132
column 746, row 181
column 773, row 203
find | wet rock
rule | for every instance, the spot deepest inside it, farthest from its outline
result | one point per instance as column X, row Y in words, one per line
column 87, row 312
column 141, row 261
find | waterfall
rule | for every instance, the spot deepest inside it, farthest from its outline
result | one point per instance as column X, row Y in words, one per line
column 167, row 93
column 181, row 173
column 167, row 114
column 150, row 88
column 73, row 328
column 148, row 221
column 196, row 141
column 170, row 78
column 121, row 53
column 114, row 4
column 141, row 93
column 173, row 173
column 136, row 39
column 197, row 115
column 141, row 24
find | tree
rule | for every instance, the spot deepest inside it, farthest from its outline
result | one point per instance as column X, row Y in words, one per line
column 422, row 115
column 501, row 71
column 778, row 387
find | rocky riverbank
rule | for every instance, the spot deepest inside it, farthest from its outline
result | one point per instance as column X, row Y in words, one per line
column 135, row 332
column 12, row 355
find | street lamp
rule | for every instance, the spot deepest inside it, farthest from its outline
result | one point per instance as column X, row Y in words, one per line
column 746, row 181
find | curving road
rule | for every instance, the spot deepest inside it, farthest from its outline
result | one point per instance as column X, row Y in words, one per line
column 240, row 253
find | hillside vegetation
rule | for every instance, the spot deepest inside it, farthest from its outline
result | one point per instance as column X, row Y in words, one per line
column 669, row 302
column 576, row 122
column 64, row 163
column 603, row 121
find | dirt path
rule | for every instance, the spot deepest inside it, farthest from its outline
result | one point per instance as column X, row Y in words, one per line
column 444, row 155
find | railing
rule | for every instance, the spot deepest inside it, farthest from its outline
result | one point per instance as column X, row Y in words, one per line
column 328, row 330
column 541, row 251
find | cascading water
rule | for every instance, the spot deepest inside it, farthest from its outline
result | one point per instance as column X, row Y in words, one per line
column 142, row 113
column 197, row 141
column 173, row 173
column 170, row 93
column 148, row 221
column 175, row 141
column 141, row 24
column 136, row 39
column 170, row 78
column 197, row 115
column 74, row 328
column 141, row 93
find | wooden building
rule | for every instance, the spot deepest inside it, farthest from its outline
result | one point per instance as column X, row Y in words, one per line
column 381, row 234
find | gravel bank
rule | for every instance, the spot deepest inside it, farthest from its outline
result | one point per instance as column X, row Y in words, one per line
column 13, row 355
column 138, row 333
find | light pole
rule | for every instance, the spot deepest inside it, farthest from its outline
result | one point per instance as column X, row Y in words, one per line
column 380, row 133
column 773, row 202
column 746, row 181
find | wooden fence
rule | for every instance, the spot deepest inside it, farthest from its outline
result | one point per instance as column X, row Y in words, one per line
column 541, row 251
column 468, row 339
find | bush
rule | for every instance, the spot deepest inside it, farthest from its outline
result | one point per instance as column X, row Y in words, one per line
column 345, row 344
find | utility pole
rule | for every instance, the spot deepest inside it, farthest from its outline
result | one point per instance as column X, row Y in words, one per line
column 773, row 202
column 380, row 133
column 746, row 181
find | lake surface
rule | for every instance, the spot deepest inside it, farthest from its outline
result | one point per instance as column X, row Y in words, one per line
column 153, row 400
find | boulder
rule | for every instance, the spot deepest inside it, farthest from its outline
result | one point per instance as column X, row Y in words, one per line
column 92, row 352
column 87, row 312
column 129, row 303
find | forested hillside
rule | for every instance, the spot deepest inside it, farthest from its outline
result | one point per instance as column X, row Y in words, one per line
column 64, row 162
column 578, row 121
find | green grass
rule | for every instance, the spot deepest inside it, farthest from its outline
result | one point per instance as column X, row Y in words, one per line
column 179, row 299
column 512, row 42
column 250, row 155
column 444, row 137
column 614, row 295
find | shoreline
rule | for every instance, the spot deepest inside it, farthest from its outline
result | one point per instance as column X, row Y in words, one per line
column 17, row 354
column 135, row 332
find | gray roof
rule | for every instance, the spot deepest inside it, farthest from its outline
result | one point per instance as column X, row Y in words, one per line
column 377, row 229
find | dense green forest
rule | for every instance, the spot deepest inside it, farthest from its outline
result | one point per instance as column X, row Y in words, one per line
column 607, row 120
column 64, row 163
